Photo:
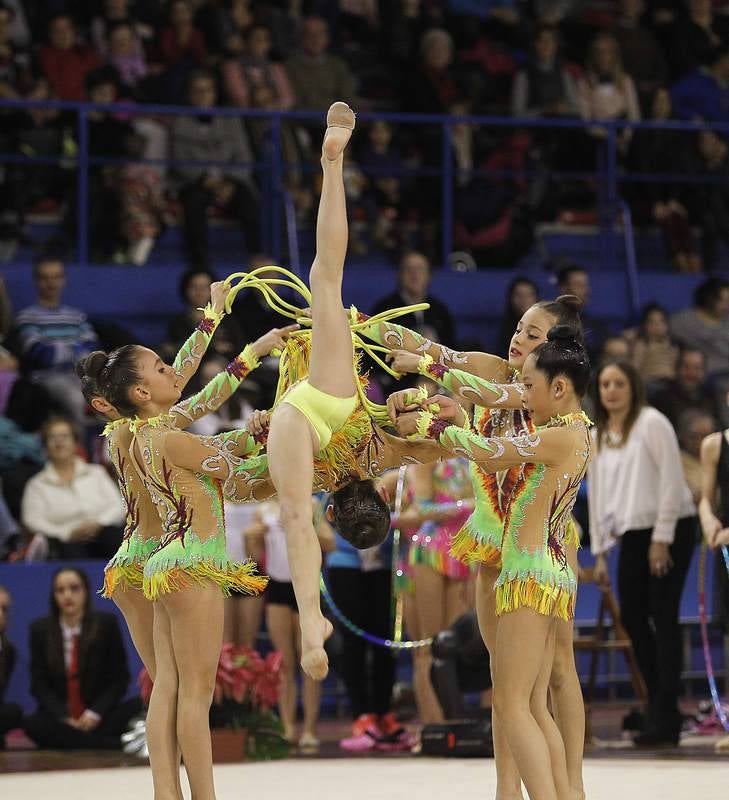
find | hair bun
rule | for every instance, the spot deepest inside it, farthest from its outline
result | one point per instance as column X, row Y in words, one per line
column 571, row 302
column 92, row 365
column 564, row 336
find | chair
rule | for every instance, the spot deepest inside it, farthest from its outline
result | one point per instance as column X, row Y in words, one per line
column 599, row 642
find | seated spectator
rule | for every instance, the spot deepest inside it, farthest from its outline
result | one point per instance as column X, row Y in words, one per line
column 225, row 33
column 703, row 94
column 8, row 362
column 664, row 151
column 694, row 425
column 9, row 539
column 64, row 61
column 195, row 293
column 432, row 86
column 43, row 132
column 615, row 348
column 607, row 92
column 15, row 75
column 52, row 337
column 318, row 78
column 575, row 280
column 544, row 88
column 694, row 35
column 114, row 12
column 11, row 714
column 413, row 282
column 654, row 354
column 642, row 53
column 204, row 137
column 20, row 29
column 403, row 24
column 72, row 508
column 705, row 326
column 254, row 68
column 126, row 55
column 180, row 51
column 708, row 203
column 79, row 672
column 688, row 390
column 521, row 295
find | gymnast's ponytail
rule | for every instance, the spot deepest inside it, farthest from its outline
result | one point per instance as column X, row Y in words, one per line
column 564, row 354
column 566, row 310
column 111, row 376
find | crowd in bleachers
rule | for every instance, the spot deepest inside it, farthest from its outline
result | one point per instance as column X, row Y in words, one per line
column 588, row 59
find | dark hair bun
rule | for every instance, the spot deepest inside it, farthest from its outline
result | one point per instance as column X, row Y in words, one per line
column 91, row 366
column 571, row 302
column 563, row 336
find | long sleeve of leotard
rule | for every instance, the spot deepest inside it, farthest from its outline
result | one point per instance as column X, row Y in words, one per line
column 398, row 337
column 190, row 354
column 467, row 386
column 216, row 391
column 547, row 446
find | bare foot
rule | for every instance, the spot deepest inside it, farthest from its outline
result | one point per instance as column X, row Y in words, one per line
column 340, row 124
column 722, row 746
column 314, row 659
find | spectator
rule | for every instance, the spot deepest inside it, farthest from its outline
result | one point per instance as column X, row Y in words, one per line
column 694, row 36
column 413, row 283
column 254, row 68
column 687, row 391
column 403, row 25
column 231, row 32
column 114, row 12
column 575, row 280
column 20, row 33
column 64, row 61
column 8, row 362
column 664, row 151
column 432, row 86
column 504, row 11
column 654, row 355
column 318, row 78
column 72, row 508
column 705, row 326
column 181, row 41
column 642, row 54
column 545, row 88
column 520, row 296
column 15, row 77
column 52, row 337
column 703, row 94
column 694, row 425
column 126, row 55
column 11, row 714
column 613, row 348
column 607, row 92
column 228, row 186
column 79, row 672
column 282, row 616
column 638, row 497
column 195, row 293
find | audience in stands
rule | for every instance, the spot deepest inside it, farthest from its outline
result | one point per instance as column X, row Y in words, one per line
column 113, row 13
column 79, row 672
column 688, row 390
column 51, row 337
column 703, row 94
column 705, row 326
column 521, row 295
column 638, row 497
column 72, row 508
column 413, row 287
column 654, row 354
column 575, row 280
column 614, row 348
column 709, row 202
column 11, row 715
column 433, row 85
column 15, row 73
column 9, row 533
column 64, row 60
column 8, row 362
column 204, row 137
column 695, row 35
column 180, row 51
column 318, row 77
column 694, row 425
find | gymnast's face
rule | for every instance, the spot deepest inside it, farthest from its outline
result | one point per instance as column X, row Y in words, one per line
column 159, row 382
column 541, row 396
column 531, row 331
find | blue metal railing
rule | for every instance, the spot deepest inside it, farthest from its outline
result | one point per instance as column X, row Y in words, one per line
column 271, row 167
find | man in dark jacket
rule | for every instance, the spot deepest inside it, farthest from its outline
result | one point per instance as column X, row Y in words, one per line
column 10, row 713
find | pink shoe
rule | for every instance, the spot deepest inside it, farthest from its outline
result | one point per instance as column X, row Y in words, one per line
column 394, row 735
column 365, row 735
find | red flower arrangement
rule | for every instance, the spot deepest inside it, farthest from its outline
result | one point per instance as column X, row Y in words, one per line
column 247, row 687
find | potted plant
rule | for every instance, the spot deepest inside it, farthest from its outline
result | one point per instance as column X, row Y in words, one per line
column 242, row 720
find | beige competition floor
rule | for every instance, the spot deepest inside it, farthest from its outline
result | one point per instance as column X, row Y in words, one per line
column 381, row 779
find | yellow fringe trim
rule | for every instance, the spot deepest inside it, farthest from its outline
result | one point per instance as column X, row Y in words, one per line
column 236, row 576
column 468, row 550
column 110, row 427
column 122, row 577
column 552, row 601
column 338, row 461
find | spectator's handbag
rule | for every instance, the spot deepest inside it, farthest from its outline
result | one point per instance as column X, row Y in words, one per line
column 469, row 738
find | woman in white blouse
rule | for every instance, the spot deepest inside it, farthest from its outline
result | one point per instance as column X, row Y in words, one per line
column 73, row 508
column 638, row 497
